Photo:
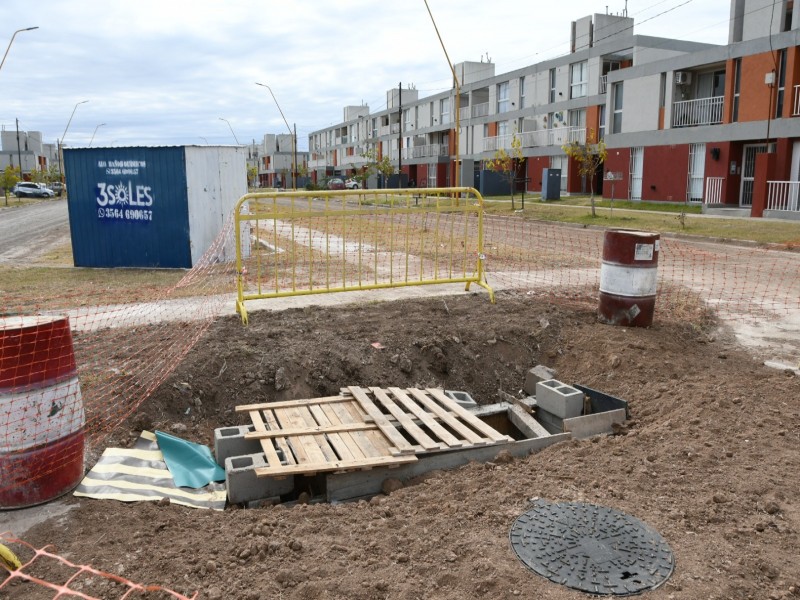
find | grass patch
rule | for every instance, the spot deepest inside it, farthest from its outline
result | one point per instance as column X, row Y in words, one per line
column 50, row 288
column 669, row 220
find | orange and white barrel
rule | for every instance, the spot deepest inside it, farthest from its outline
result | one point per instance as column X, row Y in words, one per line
column 41, row 411
column 628, row 278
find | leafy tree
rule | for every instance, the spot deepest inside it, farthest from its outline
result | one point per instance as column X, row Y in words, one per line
column 39, row 175
column 588, row 157
column 506, row 163
column 383, row 166
column 53, row 174
column 252, row 175
column 8, row 179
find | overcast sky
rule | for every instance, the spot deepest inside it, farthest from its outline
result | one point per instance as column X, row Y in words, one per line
column 161, row 72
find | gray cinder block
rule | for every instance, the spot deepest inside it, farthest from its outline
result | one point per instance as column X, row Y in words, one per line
column 244, row 486
column 535, row 375
column 559, row 399
column 230, row 441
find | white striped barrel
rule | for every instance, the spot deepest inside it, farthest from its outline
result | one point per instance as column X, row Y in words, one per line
column 628, row 278
column 41, row 411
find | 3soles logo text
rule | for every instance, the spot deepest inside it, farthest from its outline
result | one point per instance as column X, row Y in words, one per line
column 124, row 201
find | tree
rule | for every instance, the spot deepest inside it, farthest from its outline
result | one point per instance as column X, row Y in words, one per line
column 8, row 179
column 39, row 176
column 506, row 163
column 383, row 166
column 252, row 175
column 588, row 157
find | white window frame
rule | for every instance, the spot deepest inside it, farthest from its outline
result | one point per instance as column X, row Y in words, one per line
column 579, row 79
column 522, row 92
column 502, row 97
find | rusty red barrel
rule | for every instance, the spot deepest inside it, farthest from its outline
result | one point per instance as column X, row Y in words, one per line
column 41, row 411
column 628, row 277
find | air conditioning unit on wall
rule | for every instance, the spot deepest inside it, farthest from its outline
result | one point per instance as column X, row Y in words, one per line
column 683, row 77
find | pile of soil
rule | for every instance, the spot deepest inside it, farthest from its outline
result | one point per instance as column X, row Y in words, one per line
column 709, row 459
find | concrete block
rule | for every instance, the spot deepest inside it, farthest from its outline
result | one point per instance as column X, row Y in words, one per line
column 229, row 441
column 535, row 375
column 244, row 486
column 560, row 399
column 463, row 399
column 596, row 424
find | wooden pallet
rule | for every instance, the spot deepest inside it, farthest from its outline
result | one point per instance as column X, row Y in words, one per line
column 362, row 428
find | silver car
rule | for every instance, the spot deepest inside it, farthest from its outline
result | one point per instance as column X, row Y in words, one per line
column 28, row 189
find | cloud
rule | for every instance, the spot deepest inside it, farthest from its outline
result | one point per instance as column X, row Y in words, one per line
column 164, row 72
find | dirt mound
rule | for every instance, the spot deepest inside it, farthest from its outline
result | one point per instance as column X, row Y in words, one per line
column 710, row 458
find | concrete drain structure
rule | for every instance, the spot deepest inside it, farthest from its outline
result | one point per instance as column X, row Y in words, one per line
column 591, row 548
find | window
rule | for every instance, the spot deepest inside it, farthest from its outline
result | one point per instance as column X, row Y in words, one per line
column 374, row 128
column 577, row 117
column 432, row 120
column 781, row 83
column 408, row 123
column 601, row 125
column 578, row 79
column 502, row 97
column 552, row 97
column 737, row 84
column 444, row 110
column 522, row 92
column 502, row 128
column 616, row 124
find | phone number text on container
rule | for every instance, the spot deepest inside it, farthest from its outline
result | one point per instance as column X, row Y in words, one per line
column 129, row 214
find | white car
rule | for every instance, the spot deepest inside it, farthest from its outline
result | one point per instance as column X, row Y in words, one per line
column 25, row 189
column 352, row 184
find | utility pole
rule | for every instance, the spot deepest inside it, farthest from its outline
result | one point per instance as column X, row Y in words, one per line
column 294, row 157
column 400, row 139
column 19, row 152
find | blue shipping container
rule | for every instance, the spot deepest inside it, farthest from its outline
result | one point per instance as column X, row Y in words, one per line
column 152, row 207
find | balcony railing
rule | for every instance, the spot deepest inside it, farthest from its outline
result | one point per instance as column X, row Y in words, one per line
column 702, row 111
column 531, row 139
column 473, row 111
column 713, row 193
column 796, row 106
column 384, row 130
column 425, row 151
column 783, row 196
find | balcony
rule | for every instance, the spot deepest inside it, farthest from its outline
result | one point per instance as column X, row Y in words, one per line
column 531, row 139
column 429, row 150
column 702, row 111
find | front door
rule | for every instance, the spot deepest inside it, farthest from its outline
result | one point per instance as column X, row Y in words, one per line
column 749, row 154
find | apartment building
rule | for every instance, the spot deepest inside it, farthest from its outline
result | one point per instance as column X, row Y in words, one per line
column 683, row 121
column 25, row 149
column 274, row 157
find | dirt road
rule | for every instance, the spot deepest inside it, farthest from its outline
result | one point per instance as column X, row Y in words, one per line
column 30, row 231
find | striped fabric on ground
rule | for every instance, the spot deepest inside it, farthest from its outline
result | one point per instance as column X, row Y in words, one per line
column 140, row 474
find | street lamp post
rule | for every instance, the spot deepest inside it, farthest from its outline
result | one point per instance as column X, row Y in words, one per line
column 231, row 128
column 61, row 143
column 456, row 141
column 293, row 136
column 12, row 41
column 95, row 132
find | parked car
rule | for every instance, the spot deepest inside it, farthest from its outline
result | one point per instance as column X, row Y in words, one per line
column 334, row 183
column 352, row 184
column 58, row 187
column 28, row 189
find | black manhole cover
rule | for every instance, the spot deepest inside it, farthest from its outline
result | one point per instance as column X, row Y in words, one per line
column 591, row 548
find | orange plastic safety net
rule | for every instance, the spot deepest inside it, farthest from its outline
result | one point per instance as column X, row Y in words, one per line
column 81, row 349
column 58, row 577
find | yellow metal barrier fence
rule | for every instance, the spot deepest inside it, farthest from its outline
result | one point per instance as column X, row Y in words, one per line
column 299, row 243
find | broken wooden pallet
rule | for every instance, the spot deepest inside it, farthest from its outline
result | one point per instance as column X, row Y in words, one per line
column 362, row 428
